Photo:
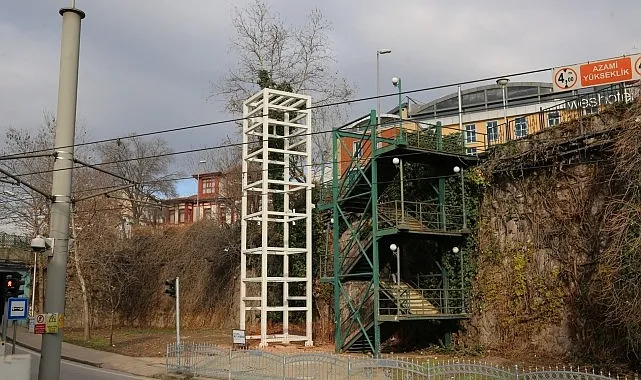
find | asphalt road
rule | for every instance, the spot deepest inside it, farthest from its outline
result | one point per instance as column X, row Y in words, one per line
column 72, row 371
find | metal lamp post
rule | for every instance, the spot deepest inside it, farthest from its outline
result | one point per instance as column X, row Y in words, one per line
column 198, row 191
column 399, row 163
column 378, row 84
column 396, row 81
column 460, row 170
column 503, row 83
column 396, row 250
column 456, row 250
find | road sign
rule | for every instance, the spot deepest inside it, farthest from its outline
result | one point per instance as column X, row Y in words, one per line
column 238, row 337
column 40, row 327
column 52, row 323
column 597, row 73
column 18, row 308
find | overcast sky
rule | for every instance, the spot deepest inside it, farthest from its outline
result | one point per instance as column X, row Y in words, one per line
column 147, row 65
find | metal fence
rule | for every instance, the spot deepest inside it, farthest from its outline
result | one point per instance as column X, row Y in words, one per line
column 207, row 360
column 13, row 241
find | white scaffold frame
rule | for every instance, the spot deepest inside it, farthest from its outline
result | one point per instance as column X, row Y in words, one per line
column 272, row 115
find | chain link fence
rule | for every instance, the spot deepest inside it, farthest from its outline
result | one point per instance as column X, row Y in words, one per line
column 207, row 360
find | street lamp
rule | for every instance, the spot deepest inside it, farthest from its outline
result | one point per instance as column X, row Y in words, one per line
column 460, row 170
column 399, row 164
column 198, row 190
column 503, row 83
column 378, row 85
column 396, row 81
column 396, row 250
column 456, row 250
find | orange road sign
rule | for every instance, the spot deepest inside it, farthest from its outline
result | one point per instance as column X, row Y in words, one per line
column 597, row 73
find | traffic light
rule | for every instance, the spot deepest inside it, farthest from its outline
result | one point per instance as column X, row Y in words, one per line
column 171, row 287
column 13, row 285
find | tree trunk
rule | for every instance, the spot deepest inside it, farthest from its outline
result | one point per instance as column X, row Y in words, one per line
column 83, row 285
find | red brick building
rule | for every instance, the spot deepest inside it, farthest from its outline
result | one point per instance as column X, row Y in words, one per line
column 216, row 199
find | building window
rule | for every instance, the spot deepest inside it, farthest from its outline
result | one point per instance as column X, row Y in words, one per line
column 208, row 186
column 492, row 130
column 471, row 151
column 554, row 118
column 172, row 216
column 520, row 127
column 181, row 215
column 357, row 151
column 470, row 133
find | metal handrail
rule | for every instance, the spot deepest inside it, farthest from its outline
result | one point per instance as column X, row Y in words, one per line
column 429, row 215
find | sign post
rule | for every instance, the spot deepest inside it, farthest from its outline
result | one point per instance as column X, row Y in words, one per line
column 17, row 309
column 597, row 73
column 238, row 338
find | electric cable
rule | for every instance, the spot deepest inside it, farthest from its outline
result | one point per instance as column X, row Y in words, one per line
column 238, row 119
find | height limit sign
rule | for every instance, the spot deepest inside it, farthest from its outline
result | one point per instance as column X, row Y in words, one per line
column 597, row 73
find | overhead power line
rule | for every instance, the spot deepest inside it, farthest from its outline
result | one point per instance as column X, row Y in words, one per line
column 232, row 120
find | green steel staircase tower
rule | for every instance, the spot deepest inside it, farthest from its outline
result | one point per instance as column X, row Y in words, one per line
column 367, row 293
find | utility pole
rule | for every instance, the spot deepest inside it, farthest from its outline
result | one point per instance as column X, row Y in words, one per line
column 61, row 187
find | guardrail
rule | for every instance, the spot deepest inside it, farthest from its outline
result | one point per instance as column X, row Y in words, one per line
column 218, row 363
column 14, row 241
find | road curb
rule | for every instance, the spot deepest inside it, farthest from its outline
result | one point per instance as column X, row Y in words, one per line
column 65, row 357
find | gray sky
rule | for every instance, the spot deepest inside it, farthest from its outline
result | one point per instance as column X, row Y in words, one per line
column 147, row 64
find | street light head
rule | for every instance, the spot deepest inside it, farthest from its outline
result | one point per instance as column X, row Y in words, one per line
column 202, row 161
column 383, row 51
column 457, row 169
column 396, row 81
column 396, row 161
column 455, row 250
column 502, row 81
column 393, row 247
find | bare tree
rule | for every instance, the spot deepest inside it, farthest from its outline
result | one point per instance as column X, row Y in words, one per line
column 26, row 209
column 113, row 274
column 271, row 53
column 145, row 165
column 23, row 209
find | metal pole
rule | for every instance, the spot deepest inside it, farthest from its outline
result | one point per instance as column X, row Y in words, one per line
column 13, row 340
column 178, row 348
column 5, row 321
column 398, row 265
column 463, row 199
column 378, row 91
column 505, row 113
column 61, row 187
column 462, row 282
column 33, row 285
column 460, row 117
column 178, row 311
column 402, row 192
column 400, row 114
column 378, row 87
column 398, row 278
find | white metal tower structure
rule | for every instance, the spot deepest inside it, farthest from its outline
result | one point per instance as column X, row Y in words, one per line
column 276, row 224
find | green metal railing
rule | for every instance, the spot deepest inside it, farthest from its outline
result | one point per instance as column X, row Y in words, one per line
column 358, row 320
column 421, row 216
column 409, row 301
